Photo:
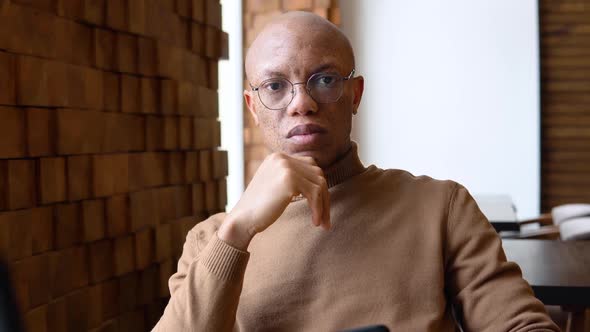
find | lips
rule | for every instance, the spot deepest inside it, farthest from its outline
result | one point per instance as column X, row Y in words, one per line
column 306, row 129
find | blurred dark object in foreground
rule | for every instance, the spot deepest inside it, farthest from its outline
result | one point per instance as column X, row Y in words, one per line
column 9, row 315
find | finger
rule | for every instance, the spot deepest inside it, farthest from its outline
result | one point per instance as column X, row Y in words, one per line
column 316, row 175
column 326, row 208
column 325, row 203
column 306, row 159
column 312, row 172
column 313, row 193
column 308, row 169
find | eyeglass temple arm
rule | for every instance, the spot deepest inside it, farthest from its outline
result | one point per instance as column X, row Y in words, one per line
column 252, row 87
column 350, row 75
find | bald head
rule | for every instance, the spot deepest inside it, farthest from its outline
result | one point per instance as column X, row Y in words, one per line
column 296, row 46
column 296, row 34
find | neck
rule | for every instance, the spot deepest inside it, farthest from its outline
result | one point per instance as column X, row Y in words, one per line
column 345, row 166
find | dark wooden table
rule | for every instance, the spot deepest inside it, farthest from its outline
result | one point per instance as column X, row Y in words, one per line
column 558, row 272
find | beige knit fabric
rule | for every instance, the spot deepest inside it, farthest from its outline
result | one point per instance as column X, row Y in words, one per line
column 402, row 252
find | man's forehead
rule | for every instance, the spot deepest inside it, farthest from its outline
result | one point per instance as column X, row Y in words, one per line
column 297, row 61
column 295, row 70
column 297, row 47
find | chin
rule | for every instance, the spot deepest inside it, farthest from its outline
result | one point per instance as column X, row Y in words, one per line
column 307, row 153
column 322, row 153
column 322, row 158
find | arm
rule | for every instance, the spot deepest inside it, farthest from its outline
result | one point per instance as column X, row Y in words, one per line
column 488, row 291
column 206, row 289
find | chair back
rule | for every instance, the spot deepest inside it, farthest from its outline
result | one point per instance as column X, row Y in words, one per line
column 575, row 229
column 573, row 221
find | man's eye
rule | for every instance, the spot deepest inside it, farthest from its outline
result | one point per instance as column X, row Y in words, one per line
column 274, row 86
column 325, row 81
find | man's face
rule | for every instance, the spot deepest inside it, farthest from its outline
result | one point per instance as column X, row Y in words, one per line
column 305, row 127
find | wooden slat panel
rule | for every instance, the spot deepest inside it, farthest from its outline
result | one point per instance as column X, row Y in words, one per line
column 557, row 108
column 566, row 62
column 564, row 98
column 565, row 101
column 552, row 178
column 568, row 18
column 565, row 52
column 572, row 166
column 565, row 40
column 565, row 144
column 568, row 190
column 568, row 28
column 566, row 156
column 565, row 29
column 566, row 74
column 562, row 119
column 547, row 6
column 552, row 201
column 567, row 132
column 566, row 86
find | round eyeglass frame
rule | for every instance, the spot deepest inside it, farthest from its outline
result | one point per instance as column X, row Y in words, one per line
column 257, row 89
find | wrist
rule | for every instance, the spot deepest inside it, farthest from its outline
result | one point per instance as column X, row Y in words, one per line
column 234, row 234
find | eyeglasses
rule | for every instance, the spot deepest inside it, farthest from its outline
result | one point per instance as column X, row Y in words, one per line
column 278, row 93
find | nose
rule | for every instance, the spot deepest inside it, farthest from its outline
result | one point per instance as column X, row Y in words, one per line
column 302, row 102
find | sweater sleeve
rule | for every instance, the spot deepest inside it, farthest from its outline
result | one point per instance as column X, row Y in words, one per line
column 205, row 291
column 488, row 292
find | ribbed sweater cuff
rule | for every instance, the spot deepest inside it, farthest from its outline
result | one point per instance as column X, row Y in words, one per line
column 223, row 260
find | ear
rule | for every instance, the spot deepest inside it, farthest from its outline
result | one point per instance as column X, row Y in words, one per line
column 249, row 98
column 358, row 86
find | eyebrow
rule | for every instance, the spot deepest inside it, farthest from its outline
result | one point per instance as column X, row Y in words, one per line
column 320, row 68
column 323, row 67
column 272, row 73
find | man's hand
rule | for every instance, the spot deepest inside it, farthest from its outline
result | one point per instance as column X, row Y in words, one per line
column 278, row 179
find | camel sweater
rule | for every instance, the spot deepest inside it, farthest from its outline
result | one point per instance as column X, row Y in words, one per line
column 403, row 251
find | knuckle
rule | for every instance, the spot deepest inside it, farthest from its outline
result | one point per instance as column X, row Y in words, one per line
column 275, row 156
column 318, row 171
column 283, row 164
column 316, row 191
column 323, row 182
column 285, row 173
column 287, row 177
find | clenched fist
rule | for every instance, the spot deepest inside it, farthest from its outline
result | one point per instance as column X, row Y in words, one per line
column 278, row 179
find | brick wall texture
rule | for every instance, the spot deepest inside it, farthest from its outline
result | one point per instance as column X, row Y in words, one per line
column 108, row 153
column 256, row 14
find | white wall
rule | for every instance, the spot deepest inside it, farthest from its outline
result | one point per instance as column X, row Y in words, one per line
column 451, row 91
column 230, row 100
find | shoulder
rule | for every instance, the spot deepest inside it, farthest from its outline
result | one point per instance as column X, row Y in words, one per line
column 441, row 202
column 203, row 231
column 406, row 183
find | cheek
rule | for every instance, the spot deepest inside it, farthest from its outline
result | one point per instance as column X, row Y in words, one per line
column 269, row 124
column 265, row 116
column 341, row 112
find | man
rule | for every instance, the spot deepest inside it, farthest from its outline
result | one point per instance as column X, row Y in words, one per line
column 408, row 252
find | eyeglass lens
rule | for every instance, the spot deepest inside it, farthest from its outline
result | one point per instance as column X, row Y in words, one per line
column 277, row 93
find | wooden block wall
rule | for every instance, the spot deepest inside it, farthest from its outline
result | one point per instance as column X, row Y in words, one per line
column 108, row 153
column 565, row 102
column 256, row 14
